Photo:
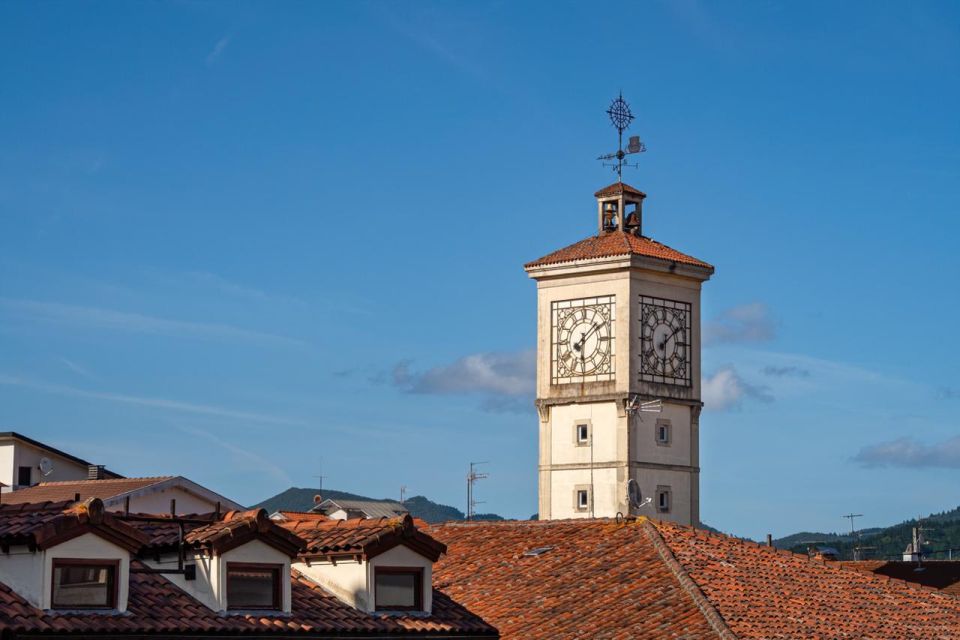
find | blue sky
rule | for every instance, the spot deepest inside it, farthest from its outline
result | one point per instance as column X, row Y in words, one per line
column 252, row 243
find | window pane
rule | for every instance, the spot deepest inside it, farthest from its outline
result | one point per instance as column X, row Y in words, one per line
column 251, row 588
column 396, row 590
column 82, row 586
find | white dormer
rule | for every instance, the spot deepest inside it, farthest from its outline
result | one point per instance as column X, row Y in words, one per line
column 382, row 565
column 240, row 564
column 68, row 558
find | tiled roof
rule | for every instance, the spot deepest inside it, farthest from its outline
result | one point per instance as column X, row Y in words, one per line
column 617, row 243
column 762, row 592
column 49, row 523
column 239, row 527
column 157, row 606
column 582, row 579
column 647, row 579
column 370, row 508
column 363, row 536
column 299, row 515
column 67, row 489
column 616, row 189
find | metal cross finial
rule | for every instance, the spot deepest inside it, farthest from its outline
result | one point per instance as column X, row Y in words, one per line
column 621, row 117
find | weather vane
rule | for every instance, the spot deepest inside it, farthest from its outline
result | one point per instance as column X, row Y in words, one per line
column 621, row 117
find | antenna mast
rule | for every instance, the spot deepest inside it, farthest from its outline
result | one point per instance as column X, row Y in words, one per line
column 472, row 478
column 854, row 535
column 321, row 476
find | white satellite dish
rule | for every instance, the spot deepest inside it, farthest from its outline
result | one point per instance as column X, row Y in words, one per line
column 633, row 494
column 46, row 467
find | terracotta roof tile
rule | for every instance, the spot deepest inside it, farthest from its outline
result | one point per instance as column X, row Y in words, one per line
column 67, row 489
column 239, row 527
column 617, row 243
column 157, row 606
column 767, row 593
column 49, row 523
column 565, row 579
column 616, row 189
column 646, row 579
column 366, row 536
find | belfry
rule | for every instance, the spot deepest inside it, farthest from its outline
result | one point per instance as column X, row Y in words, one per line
column 618, row 365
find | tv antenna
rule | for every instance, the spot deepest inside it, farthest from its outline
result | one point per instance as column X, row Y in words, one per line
column 403, row 491
column 320, row 475
column 853, row 535
column 637, row 405
column 472, row 478
column 620, row 118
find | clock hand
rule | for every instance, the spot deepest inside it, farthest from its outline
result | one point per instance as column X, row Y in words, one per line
column 663, row 345
column 584, row 336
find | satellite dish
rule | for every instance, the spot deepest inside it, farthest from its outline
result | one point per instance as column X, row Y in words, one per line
column 633, row 494
column 46, row 467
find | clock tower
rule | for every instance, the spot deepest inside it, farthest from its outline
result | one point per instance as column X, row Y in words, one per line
column 618, row 324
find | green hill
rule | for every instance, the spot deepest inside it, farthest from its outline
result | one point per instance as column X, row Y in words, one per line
column 302, row 499
column 941, row 531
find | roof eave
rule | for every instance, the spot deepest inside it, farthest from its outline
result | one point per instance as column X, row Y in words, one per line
column 618, row 263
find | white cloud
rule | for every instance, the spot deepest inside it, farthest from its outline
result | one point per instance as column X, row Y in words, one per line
column 725, row 389
column 507, row 374
column 94, row 317
column 908, row 452
column 156, row 403
column 218, row 49
column 744, row 323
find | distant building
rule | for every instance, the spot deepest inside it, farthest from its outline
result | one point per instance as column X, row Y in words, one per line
column 937, row 574
column 338, row 509
column 136, row 495
column 25, row 462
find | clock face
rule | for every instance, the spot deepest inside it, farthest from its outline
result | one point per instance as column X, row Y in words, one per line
column 583, row 337
column 665, row 348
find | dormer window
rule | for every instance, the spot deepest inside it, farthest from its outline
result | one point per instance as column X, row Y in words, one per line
column 398, row 589
column 84, row 584
column 254, row 586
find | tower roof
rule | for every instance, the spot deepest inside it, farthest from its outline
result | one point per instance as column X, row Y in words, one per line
column 617, row 243
column 618, row 188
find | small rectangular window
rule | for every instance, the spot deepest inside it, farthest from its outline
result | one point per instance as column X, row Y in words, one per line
column 24, row 476
column 583, row 499
column 583, row 433
column 663, row 499
column 253, row 586
column 663, row 432
column 84, row 584
column 398, row 589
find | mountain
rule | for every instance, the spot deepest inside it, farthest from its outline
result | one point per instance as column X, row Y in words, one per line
column 941, row 532
column 302, row 499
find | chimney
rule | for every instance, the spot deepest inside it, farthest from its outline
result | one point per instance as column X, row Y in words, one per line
column 769, row 540
column 95, row 472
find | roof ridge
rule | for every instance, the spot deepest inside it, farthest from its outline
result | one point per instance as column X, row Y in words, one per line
column 713, row 617
column 83, row 480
